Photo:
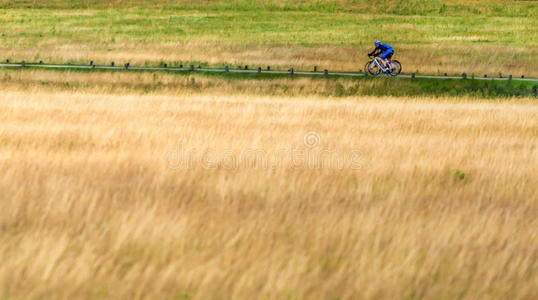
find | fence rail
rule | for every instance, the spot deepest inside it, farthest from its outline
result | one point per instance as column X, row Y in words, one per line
column 259, row 70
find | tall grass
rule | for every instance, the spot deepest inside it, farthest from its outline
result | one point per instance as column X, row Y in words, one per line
column 266, row 84
column 96, row 200
column 401, row 7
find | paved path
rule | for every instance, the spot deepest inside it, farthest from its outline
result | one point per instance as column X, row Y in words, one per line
column 67, row 67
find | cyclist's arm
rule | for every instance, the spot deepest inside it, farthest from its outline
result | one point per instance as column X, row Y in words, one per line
column 375, row 52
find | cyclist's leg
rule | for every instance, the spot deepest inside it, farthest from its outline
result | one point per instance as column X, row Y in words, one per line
column 389, row 58
column 384, row 58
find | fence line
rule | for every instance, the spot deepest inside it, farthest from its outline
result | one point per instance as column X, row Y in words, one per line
column 259, row 70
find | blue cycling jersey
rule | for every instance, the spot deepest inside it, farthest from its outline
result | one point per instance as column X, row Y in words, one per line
column 382, row 48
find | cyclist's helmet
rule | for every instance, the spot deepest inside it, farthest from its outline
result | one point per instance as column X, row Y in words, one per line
column 377, row 43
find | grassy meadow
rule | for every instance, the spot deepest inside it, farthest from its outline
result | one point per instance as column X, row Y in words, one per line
column 265, row 84
column 431, row 37
column 157, row 185
column 234, row 192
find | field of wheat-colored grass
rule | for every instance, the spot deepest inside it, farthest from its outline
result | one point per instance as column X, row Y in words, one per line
column 192, row 194
column 155, row 185
column 179, row 83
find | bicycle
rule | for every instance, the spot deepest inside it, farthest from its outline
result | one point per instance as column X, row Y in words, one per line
column 375, row 67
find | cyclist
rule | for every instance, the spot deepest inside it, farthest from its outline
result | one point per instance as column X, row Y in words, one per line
column 385, row 51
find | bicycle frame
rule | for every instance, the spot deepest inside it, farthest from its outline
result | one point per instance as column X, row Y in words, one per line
column 377, row 60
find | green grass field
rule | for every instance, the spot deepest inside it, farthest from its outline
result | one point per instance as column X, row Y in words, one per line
column 430, row 37
column 401, row 7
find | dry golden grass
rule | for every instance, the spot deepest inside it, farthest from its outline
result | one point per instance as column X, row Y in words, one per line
column 173, row 83
column 230, row 84
column 456, row 58
column 93, row 203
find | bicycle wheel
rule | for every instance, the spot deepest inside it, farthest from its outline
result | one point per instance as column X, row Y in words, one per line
column 396, row 68
column 366, row 67
column 373, row 68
